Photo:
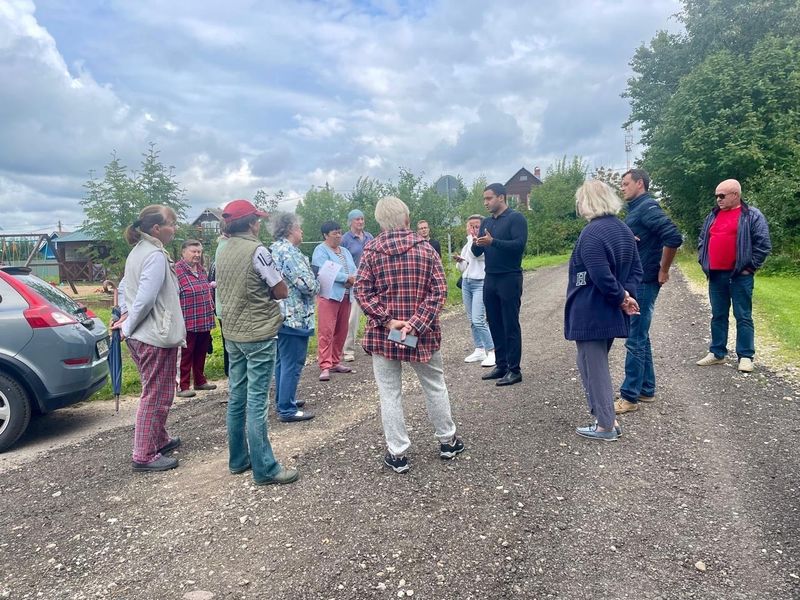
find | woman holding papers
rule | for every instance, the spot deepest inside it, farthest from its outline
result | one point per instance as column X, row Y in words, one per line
column 336, row 272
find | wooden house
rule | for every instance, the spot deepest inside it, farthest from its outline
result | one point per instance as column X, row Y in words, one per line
column 518, row 188
column 208, row 224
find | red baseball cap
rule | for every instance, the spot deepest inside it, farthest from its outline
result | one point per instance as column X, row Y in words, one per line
column 237, row 209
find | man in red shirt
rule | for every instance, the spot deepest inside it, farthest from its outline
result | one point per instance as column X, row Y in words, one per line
column 734, row 242
column 401, row 288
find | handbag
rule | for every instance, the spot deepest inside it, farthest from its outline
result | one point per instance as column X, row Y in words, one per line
column 460, row 281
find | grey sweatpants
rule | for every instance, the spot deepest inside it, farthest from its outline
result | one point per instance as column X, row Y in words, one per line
column 596, row 378
column 352, row 329
column 388, row 376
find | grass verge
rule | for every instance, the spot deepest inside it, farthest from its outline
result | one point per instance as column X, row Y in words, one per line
column 777, row 319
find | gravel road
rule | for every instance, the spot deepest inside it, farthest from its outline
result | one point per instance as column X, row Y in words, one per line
column 700, row 499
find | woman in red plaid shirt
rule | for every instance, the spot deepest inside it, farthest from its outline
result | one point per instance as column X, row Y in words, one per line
column 197, row 304
column 401, row 286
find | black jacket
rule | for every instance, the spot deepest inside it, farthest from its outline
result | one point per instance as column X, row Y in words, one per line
column 753, row 244
column 653, row 230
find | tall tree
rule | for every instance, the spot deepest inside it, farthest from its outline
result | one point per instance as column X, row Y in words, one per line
column 553, row 225
column 158, row 184
column 722, row 100
column 113, row 203
column 320, row 205
column 711, row 26
column 732, row 116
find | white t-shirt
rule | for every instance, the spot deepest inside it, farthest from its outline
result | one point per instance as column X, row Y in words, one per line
column 265, row 267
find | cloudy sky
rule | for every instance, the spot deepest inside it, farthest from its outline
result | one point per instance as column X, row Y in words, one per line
column 248, row 94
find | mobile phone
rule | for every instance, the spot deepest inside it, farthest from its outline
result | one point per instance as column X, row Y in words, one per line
column 410, row 341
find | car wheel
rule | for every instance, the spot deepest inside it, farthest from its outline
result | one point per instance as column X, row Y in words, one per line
column 15, row 411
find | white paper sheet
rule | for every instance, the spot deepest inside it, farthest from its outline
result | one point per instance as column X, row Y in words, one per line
column 327, row 275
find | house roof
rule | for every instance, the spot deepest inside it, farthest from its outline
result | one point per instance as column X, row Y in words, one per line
column 531, row 178
column 77, row 236
column 215, row 212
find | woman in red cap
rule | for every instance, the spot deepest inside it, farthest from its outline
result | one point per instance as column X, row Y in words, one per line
column 248, row 285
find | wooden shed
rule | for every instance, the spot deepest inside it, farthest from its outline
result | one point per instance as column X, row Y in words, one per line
column 76, row 253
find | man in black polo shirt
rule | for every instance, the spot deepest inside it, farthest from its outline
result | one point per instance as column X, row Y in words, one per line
column 502, row 238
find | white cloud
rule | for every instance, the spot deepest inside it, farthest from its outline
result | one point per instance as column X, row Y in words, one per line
column 315, row 128
column 240, row 99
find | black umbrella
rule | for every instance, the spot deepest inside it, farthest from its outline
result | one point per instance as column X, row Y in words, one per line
column 115, row 352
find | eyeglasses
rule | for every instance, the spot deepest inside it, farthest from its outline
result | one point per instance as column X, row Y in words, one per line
column 721, row 196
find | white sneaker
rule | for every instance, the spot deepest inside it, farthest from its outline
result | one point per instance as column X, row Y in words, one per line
column 746, row 365
column 489, row 360
column 478, row 355
column 709, row 359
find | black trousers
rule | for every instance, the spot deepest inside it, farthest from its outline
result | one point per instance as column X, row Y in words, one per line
column 502, row 296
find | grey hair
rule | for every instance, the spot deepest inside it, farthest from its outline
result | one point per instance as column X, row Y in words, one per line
column 596, row 199
column 283, row 223
column 391, row 213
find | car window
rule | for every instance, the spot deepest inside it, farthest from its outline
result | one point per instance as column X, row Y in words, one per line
column 50, row 293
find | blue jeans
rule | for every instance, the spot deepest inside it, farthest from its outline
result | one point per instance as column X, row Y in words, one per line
column 292, row 351
column 472, row 295
column 722, row 291
column 640, row 375
column 251, row 365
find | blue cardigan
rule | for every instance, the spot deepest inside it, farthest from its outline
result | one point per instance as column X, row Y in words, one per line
column 604, row 264
column 324, row 253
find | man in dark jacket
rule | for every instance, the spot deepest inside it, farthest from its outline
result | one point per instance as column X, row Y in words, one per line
column 657, row 239
column 734, row 242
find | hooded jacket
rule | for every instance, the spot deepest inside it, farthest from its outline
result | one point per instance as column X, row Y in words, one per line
column 401, row 277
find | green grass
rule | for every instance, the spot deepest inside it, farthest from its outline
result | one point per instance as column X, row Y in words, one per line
column 776, row 317
column 531, row 263
column 130, row 376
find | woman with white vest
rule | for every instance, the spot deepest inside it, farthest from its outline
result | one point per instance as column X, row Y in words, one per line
column 152, row 324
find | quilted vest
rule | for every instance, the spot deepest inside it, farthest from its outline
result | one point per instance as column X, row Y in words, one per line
column 248, row 312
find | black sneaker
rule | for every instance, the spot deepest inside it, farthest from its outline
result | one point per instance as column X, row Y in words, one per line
column 398, row 464
column 451, row 448
column 162, row 463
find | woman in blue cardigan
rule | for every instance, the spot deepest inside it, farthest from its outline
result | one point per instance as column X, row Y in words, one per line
column 333, row 310
column 604, row 271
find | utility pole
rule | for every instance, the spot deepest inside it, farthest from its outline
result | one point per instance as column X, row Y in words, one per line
column 628, row 145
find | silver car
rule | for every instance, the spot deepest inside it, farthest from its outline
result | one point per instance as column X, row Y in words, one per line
column 53, row 351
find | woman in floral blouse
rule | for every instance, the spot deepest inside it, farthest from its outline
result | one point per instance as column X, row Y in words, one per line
column 298, row 315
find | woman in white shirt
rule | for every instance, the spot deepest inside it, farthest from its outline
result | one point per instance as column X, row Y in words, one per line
column 473, row 272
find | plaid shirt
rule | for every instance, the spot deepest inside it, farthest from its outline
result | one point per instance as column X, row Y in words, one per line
column 197, row 297
column 401, row 277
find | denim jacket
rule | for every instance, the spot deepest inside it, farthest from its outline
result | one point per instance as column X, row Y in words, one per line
column 752, row 240
column 324, row 253
column 298, row 307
